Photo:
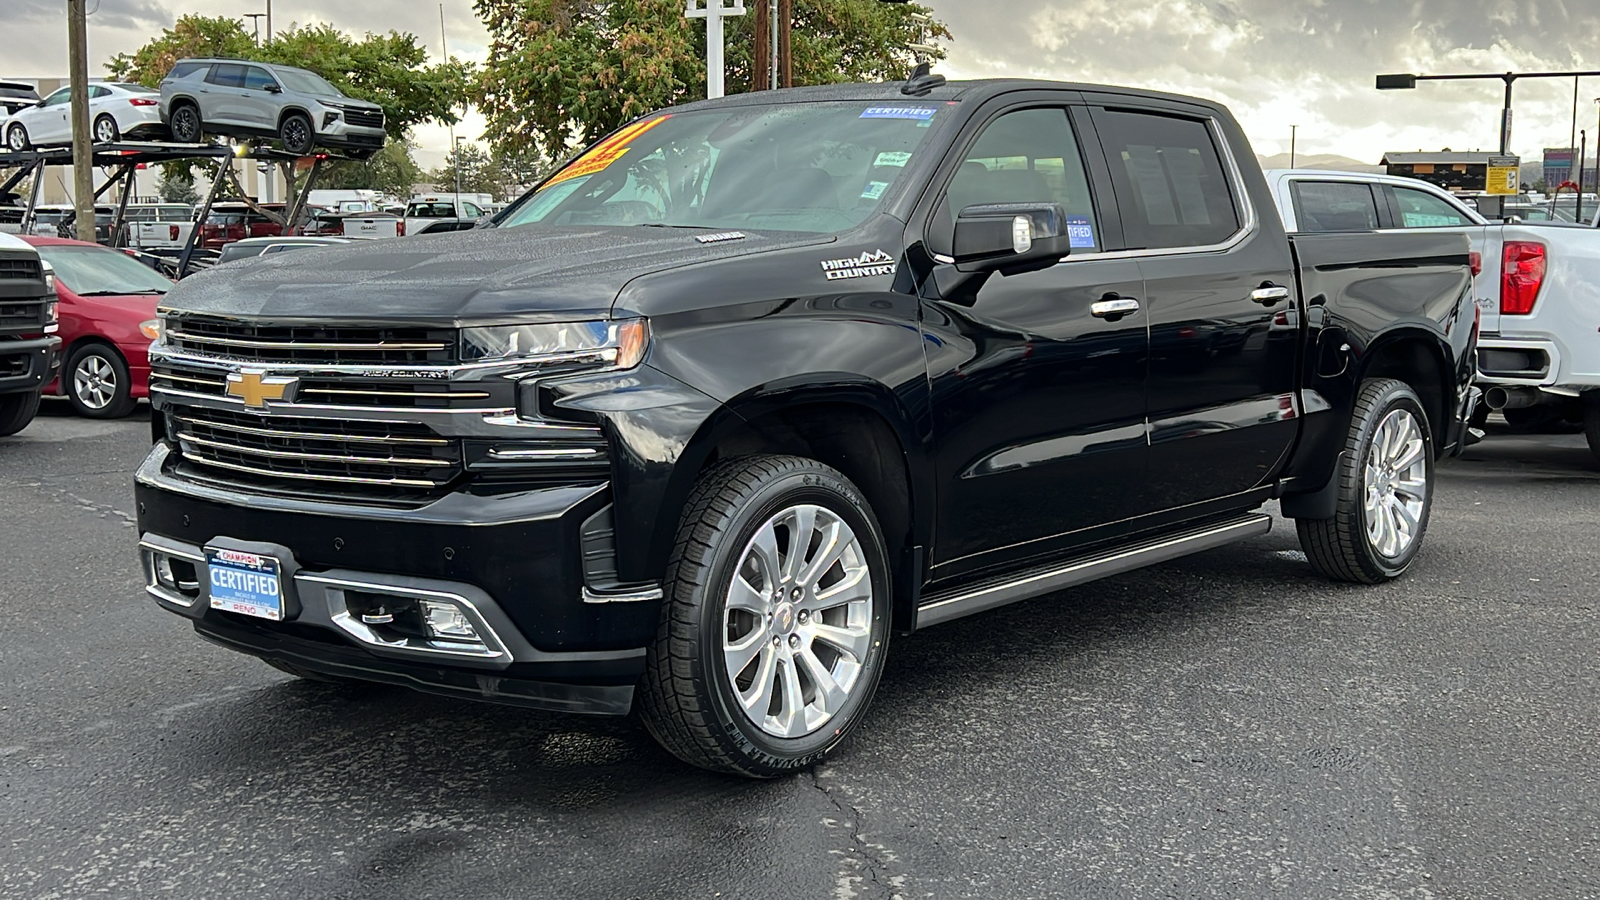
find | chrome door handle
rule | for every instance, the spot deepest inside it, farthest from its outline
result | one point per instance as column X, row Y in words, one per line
column 1269, row 294
column 1114, row 308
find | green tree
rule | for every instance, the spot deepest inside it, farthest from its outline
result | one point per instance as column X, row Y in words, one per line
column 177, row 186
column 391, row 170
column 481, row 172
column 569, row 71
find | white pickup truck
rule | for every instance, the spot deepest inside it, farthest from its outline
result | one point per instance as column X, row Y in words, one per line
column 1538, row 290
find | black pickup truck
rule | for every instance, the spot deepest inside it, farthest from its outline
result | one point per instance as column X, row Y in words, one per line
column 753, row 384
column 30, row 350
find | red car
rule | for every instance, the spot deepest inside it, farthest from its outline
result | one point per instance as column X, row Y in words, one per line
column 108, row 319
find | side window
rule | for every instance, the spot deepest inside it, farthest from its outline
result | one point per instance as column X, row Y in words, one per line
column 185, row 69
column 1030, row 155
column 96, row 92
column 58, row 98
column 1170, row 183
column 1419, row 209
column 470, row 209
column 258, row 79
column 1333, row 206
column 227, row 76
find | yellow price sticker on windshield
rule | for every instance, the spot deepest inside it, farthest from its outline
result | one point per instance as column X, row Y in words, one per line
column 608, row 151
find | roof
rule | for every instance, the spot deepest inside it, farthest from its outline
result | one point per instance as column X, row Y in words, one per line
column 1443, row 157
column 950, row 91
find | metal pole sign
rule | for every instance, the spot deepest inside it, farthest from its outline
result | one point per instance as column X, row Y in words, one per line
column 1504, row 175
column 713, row 11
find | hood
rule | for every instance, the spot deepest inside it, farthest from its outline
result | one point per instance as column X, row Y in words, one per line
column 484, row 276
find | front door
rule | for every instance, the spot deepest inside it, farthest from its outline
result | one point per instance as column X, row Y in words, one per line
column 258, row 103
column 1038, row 403
column 1220, row 302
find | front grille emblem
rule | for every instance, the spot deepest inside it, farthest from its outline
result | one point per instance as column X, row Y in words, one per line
column 255, row 387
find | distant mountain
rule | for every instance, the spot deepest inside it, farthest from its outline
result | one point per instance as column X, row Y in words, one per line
column 1317, row 161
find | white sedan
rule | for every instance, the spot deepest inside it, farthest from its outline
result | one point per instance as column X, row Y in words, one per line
column 116, row 111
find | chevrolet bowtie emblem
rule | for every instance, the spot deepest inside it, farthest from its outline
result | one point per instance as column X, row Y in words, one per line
column 255, row 387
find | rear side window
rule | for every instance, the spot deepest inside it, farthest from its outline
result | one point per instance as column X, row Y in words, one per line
column 227, row 76
column 1419, row 209
column 185, row 69
column 1027, row 156
column 1171, row 186
column 1334, row 206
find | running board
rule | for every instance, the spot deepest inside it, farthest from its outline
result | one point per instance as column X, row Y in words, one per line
column 971, row 599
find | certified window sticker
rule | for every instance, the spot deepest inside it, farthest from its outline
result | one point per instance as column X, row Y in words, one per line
column 867, row 265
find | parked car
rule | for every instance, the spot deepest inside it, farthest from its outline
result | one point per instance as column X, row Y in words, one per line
column 1539, row 354
column 116, row 111
column 882, row 356
column 157, row 226
column 58, row 220
column 250, row 248
column 441, row 213
column 16, row 96
column 229, row 222
column 30, row 347
column 108, row 319
column 250, row 99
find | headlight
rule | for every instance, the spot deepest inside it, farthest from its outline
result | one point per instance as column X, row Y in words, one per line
column 52, row 316
column 49, row 279
column 151, row 328
column 620, row 344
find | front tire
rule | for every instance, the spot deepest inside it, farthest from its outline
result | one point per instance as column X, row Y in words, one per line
column 17, row 138
column 1591, row 423
column 297, row 134
column 1385, row 489
column 16, row 411
column 775, row 625
column 106, row 131
column 97, row 383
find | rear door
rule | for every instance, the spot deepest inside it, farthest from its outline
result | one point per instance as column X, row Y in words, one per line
column 1038, row 399
column 222, row 102
column 1217, row 272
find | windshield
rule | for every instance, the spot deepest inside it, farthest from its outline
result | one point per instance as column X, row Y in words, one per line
column 815, row 167
column 302, row 82
column 97, row 270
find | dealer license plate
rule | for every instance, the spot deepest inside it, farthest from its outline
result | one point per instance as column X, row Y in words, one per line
column 245, row 583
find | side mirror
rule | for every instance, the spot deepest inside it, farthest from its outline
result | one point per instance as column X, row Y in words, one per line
column 1010, row 237
column 273, row 89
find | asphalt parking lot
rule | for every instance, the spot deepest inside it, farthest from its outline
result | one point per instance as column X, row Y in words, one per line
column 1224, row 726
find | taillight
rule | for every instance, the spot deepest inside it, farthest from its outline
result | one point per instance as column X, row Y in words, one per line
column 1477, row 263
column 143, row 101
column 172, row 232
column 400, row 228
column 1521, row 275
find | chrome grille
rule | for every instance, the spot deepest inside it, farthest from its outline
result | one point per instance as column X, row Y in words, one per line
column 321, row 344
column 366, row 459
column 390, row 393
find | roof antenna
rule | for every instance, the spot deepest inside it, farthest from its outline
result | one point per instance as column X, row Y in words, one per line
column 922, row 81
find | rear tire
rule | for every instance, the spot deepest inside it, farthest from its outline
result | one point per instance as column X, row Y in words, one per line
column 16, row 411
column 17, row 138
column 297, row 135
column 766, row 659
column 1591, row 424
column 185, row 124
column 106, row 131
column 1385, row 489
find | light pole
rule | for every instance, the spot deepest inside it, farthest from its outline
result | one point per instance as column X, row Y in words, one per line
column 255, row 23
column 1293, row 131
column 1407, row 81
column 459, row 140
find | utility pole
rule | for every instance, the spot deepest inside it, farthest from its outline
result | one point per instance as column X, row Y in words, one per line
column 269, row 21
column 761, row 65
column 82, row 150
column 785, row 56
column 1293, row 131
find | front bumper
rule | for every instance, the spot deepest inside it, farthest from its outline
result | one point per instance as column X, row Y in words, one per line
column 29, row 365
column 514, row 561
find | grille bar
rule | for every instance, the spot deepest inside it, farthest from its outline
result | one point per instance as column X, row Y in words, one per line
column 379, row 346
column 325, row 344
column 307, row 476
column 312, row 457
column 400, row 394
column 313, row 436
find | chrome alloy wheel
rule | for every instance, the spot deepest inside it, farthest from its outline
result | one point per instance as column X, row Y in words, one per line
column 94, row 382
column 1396, row 483
column 797, row 624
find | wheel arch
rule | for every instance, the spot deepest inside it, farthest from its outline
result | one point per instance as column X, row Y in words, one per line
column 288, row 111
column 1422, row 360
column 849, row 423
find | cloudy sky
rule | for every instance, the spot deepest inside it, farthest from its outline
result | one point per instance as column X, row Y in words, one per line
column 1276, row 63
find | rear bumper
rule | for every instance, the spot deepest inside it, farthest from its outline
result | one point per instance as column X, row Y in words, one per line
column 28, row 365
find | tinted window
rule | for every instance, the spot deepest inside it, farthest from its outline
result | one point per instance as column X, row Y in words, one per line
column 470, row 209
column 308, row 83
column 96, row 92
column 227, row 76
column 258, row 79
column 1029, row 156
column 1423, row 210
column 58, row 98
column 1169, row 179
column 185, row 69
column 1334, row 206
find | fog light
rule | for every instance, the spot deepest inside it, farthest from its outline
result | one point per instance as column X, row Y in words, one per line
column 446, row 622
column 164, row 575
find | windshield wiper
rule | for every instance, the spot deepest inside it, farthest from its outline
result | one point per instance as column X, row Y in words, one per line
column 139, row 293
column 665, row 225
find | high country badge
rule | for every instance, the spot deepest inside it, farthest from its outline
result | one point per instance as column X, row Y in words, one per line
column 875, row 262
